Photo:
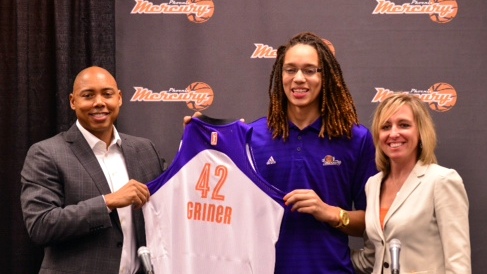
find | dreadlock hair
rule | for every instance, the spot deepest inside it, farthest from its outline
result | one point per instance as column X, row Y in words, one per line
column 338, row 112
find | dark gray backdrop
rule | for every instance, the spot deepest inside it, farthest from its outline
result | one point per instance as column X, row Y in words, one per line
column 164, row 50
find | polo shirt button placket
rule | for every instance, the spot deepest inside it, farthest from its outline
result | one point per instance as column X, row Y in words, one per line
column 298, row 149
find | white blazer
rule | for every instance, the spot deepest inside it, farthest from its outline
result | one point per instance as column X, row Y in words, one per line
column 430, row 218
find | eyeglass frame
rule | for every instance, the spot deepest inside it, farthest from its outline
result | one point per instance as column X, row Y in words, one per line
column 307, row 72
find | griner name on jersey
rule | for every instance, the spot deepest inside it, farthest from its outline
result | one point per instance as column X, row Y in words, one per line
column 209, row 213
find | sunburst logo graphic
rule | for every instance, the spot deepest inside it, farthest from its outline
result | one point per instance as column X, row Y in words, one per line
column 440, row 97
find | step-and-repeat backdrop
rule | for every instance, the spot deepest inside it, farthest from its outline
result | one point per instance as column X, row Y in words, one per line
column 176, row 57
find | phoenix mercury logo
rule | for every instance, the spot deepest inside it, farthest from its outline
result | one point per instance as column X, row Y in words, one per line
column 440, row 97
column 439, row 11
column 266, row 51
column 198, row 96
column 197, row 11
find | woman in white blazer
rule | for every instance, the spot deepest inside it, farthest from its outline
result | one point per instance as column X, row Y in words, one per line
column 412, row 199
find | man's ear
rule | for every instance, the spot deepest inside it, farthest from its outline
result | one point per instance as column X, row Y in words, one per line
column 71, row 101
column 120, row 94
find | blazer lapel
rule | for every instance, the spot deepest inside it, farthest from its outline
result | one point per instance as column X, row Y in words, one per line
column 134, row 170
column 413, row 181
column 87, row 158
column 81, row 149
column 375, row 205
column 130, row 155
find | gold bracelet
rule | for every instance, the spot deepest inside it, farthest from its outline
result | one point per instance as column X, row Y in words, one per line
column 344, row 219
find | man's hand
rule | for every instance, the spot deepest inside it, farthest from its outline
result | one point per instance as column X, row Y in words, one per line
column 187, row 119
column 132, row 193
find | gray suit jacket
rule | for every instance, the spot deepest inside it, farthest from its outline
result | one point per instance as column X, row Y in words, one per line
column 62, row 185
column 430, row 218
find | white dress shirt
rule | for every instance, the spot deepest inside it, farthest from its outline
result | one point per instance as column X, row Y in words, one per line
column 112, row 163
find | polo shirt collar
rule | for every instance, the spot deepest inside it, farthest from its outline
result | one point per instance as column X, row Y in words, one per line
column 316, row 125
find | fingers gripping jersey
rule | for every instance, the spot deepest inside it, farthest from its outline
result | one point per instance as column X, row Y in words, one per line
column 210, row 212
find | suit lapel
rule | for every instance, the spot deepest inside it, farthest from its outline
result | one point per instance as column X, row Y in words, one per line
column 87, row 158
column 81, row 149
column 130, row 155
column 412, row 182
column 375, row 206
column 131, row 162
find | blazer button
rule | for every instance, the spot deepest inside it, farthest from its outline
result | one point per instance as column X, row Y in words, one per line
column 119, row 244
column 386, row 265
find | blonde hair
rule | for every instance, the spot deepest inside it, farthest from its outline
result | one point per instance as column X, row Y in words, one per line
column 424, row 121
column 337, row 110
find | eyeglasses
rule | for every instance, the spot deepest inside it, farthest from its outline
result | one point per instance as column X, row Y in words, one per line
column 307, row 72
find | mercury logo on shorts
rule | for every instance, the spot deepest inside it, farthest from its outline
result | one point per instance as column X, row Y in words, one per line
column 198, row 96
column 439, row 11
column 440, row 97
column 197, row 11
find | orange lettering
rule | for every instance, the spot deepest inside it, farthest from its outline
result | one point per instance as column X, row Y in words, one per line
column 209, row 213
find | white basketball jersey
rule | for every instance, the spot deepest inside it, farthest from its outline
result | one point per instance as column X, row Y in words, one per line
column 210, row 212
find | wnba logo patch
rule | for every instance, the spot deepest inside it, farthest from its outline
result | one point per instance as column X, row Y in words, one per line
column 197, row 96
column 439, row 11
column 197, row 11
column 440, row 97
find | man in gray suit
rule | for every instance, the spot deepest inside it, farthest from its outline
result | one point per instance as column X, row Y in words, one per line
column 82, row 189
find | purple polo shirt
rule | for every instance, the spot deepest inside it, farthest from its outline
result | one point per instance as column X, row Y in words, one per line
column 336, row 170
